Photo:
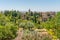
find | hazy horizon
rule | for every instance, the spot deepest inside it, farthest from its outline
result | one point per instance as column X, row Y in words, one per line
column 34, row 5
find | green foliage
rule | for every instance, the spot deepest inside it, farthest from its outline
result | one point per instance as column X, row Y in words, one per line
column 58, row 24
column 11, row 20
column 7, row 13
column 8, row 31
column 22, row 25
column 27, row 25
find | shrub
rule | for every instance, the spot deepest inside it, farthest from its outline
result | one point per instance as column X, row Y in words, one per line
column 8, row 32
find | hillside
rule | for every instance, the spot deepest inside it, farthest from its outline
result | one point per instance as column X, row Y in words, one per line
column 14, row 24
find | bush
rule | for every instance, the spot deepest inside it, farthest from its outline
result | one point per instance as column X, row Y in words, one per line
column 8, row 32
column 29, row 25
column 22, row 25
column 26, row 25
column 40, row 27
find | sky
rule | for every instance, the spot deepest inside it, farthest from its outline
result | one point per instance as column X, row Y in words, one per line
column 34, row 5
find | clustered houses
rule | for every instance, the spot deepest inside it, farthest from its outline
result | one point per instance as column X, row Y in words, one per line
column 46, row 15
column 40, row 16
